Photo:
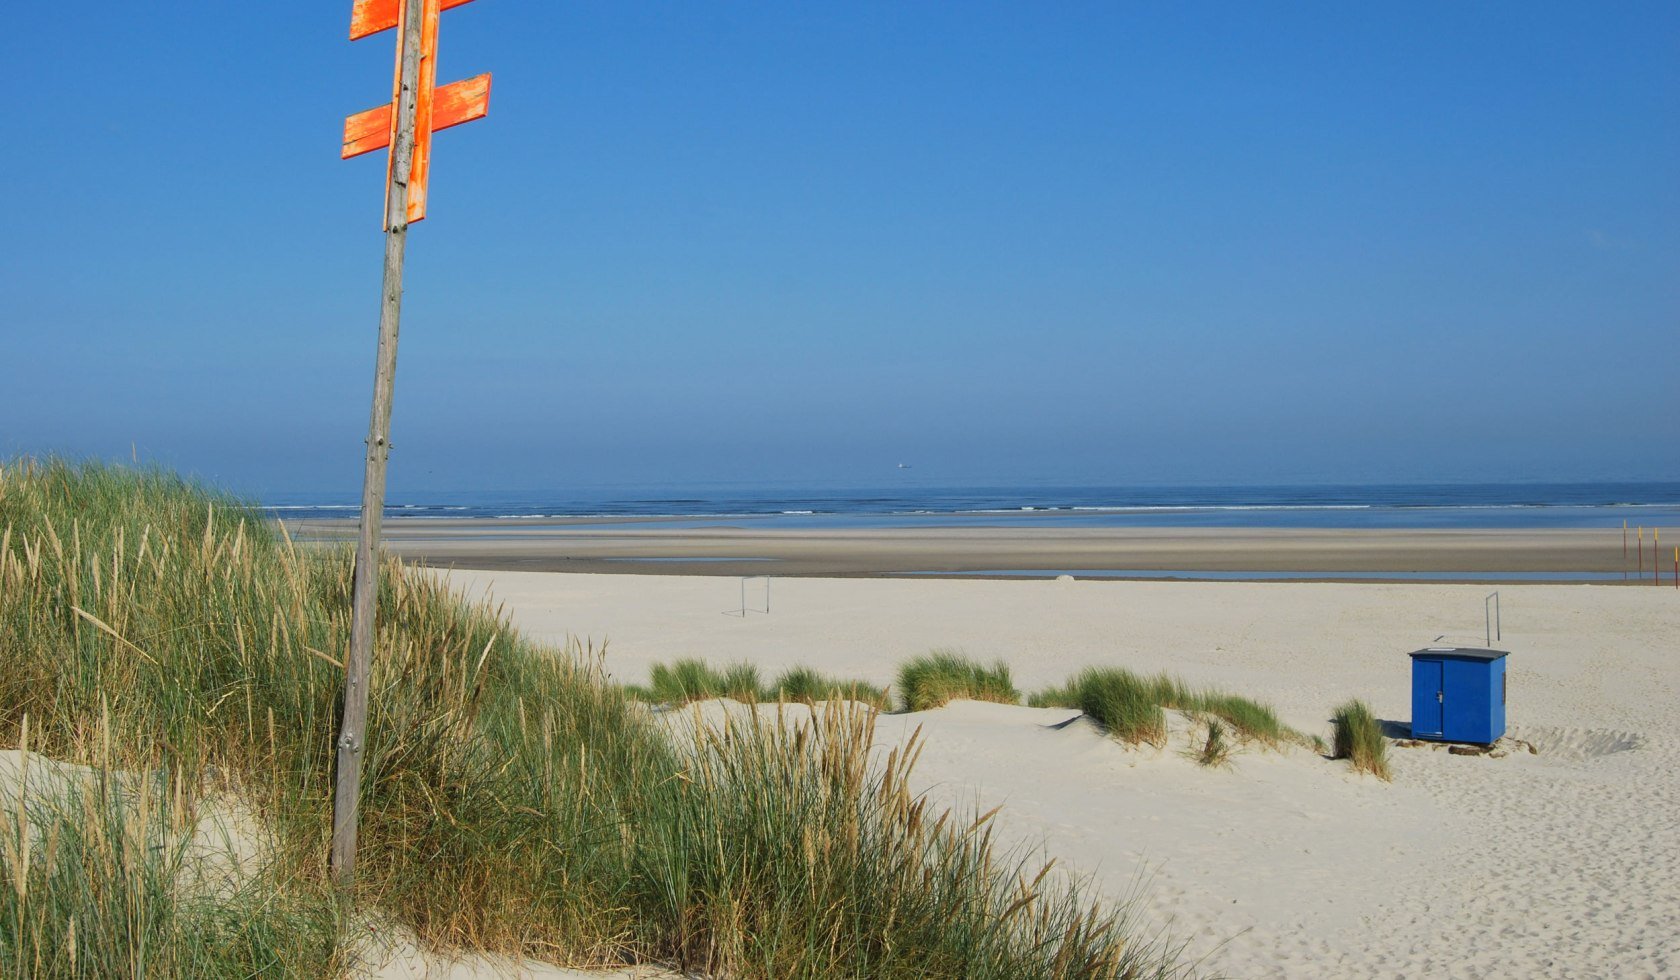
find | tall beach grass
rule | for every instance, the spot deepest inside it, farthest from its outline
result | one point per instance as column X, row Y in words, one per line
column 695, row 680
column 1359, row 739
column 101, row 875
column 1133, row 706
column 943, row 676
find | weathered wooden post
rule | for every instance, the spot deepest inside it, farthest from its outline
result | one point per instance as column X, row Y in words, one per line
column 417, row 108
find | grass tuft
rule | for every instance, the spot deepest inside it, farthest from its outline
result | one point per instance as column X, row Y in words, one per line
column 943, row 676
column 1249, row 718
column 1359, row 739
column 695, row 680
column 1131, row 706
column 808, row 686
column 1125, row 703
column 741, row 683
column 1215, row 751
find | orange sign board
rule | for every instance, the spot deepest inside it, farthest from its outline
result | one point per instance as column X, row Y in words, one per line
column 372, row 16
column 452, row 105
column 435, row 108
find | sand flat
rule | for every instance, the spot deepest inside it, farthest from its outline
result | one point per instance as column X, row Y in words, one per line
column 1564, row 863
column 718, row 548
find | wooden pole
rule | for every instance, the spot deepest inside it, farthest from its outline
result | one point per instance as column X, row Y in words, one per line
column 352, row 739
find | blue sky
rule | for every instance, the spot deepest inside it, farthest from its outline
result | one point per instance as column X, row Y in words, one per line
column 1105, row 243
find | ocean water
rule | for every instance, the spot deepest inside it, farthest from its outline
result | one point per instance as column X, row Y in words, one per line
column 1378, row 506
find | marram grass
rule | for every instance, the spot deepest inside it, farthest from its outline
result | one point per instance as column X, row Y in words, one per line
column 514, row 801
column 695, row 680
column 938, row 678
column 1133, row 707
column 807, row 686
column 100, row 878
column 1127, row 704
column 1359, row 739
column 1216, row 750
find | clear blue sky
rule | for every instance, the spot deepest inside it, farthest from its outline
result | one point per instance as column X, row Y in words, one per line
column 1124, row 243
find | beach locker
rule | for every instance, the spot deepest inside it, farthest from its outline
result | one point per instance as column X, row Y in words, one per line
column 1458, row 694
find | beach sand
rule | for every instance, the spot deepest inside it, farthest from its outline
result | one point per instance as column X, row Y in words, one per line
column 1561, row 863
column 652, row 547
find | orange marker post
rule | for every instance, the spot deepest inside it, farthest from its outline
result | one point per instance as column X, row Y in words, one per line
column 1640, row 551
column 405, row 126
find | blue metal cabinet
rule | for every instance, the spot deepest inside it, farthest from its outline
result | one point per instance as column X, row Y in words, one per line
column 1458, row 694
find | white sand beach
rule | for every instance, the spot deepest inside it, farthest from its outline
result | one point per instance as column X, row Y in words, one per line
column 1562, row 863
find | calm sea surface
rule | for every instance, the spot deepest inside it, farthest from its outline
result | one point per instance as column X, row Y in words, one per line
column 1486, row 505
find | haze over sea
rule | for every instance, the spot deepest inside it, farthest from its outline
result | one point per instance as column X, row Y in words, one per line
column 1376, row 506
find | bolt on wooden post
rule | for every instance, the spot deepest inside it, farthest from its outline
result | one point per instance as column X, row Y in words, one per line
column 404, row 126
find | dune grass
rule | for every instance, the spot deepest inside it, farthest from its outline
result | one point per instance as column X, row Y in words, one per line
column 808, row 686
column 1252, row 719
column 695, row 680
column 1133, row 706
column 514, row 800
column 1125, row 703
column 1358, row 738
column 943, row 676
column 1216, row 750
column 109, row 889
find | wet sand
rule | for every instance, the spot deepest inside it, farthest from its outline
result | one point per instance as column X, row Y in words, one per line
column 649, row 547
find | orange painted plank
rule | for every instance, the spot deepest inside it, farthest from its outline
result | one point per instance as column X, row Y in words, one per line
column 460, row 102
column 372, row 16
column 396, row 100
column 421, row 169
column 453, row 104
column 367, row 131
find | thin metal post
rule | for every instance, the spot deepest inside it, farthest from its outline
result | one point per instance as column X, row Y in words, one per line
column 352, row 739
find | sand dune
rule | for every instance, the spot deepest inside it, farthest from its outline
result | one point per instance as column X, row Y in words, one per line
column 1560, row 863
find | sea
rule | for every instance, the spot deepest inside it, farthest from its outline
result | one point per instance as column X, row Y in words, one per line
column 1373, row 506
